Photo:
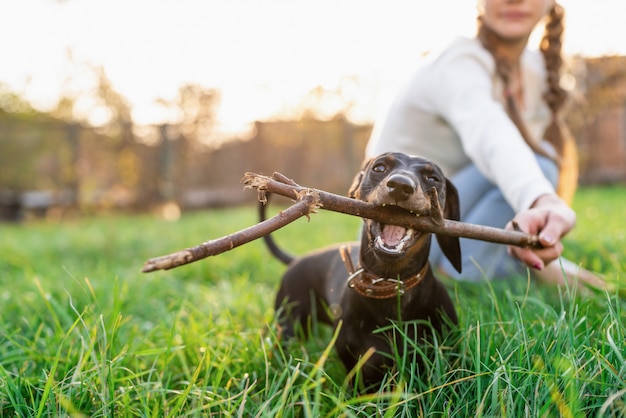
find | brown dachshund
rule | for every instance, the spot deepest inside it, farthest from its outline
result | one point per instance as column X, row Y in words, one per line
column 392, row 280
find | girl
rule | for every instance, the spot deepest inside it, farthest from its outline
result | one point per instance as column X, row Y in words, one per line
column 487, row 111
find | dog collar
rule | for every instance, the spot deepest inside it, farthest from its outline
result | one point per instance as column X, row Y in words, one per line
column 373, row 286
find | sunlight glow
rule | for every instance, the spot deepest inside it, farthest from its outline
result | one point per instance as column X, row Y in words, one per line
column 263, row 56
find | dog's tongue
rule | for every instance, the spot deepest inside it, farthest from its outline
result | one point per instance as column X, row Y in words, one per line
column 393, row 234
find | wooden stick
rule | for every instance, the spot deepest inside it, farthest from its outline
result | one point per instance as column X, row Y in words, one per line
column 308, row 200
column 306, row 205
column 279, row 184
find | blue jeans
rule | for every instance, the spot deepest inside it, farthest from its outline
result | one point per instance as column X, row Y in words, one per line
column 482, row 203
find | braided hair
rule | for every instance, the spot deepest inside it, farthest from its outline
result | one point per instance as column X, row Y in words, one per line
column 555, row 96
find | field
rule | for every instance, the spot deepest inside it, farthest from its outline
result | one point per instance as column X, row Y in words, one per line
column 84, row 333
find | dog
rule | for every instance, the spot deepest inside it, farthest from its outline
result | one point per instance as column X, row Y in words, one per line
column 393, row 281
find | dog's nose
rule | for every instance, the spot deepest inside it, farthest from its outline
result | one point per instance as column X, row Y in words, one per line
column 400, row 187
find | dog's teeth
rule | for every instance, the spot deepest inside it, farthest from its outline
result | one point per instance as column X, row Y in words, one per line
column 400, row 242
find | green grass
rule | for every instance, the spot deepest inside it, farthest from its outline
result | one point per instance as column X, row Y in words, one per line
column 84, row 333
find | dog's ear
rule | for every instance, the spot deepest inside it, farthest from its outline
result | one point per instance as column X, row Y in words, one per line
column 452, row 210
column 354, row 191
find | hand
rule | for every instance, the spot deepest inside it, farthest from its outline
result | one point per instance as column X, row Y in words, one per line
column 550, row 218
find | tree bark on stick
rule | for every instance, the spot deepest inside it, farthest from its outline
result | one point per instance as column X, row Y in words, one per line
column 303, row 207
column 283, row 186
column 308, row 200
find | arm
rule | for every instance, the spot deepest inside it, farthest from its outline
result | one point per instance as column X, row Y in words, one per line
column 463, row 94
column 494, row 144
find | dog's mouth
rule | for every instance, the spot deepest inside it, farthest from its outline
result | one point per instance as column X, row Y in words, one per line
column 394, row 239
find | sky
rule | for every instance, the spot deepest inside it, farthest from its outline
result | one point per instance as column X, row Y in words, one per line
column 262, row 55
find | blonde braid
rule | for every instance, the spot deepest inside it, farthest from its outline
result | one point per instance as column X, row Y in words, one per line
column 556, row 96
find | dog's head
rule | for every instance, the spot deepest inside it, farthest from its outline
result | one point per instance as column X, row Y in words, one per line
column 396, row 179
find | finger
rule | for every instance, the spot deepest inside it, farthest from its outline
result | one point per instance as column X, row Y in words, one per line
column 549, row 254
column 548, row 233
column 537, row 258
column 549, row 236
column 517, row 225
column 529, row 226
column 528, row 257
column 555, row 227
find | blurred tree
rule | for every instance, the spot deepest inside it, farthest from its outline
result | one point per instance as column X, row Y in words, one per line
column 325, row 103
column 90, row 99
column 11, row 103
column 193, row 132
column 194, row 108
column 23, row 154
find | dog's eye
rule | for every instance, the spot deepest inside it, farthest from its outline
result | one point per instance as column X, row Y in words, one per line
column 433, row 179
column 379, row 168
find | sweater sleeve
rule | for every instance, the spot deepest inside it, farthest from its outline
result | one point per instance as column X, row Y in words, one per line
column 463, row 95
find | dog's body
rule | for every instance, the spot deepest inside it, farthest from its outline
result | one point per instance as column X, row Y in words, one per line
column 396, row 281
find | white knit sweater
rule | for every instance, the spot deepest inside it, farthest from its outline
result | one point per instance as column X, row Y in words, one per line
column 452, row 112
